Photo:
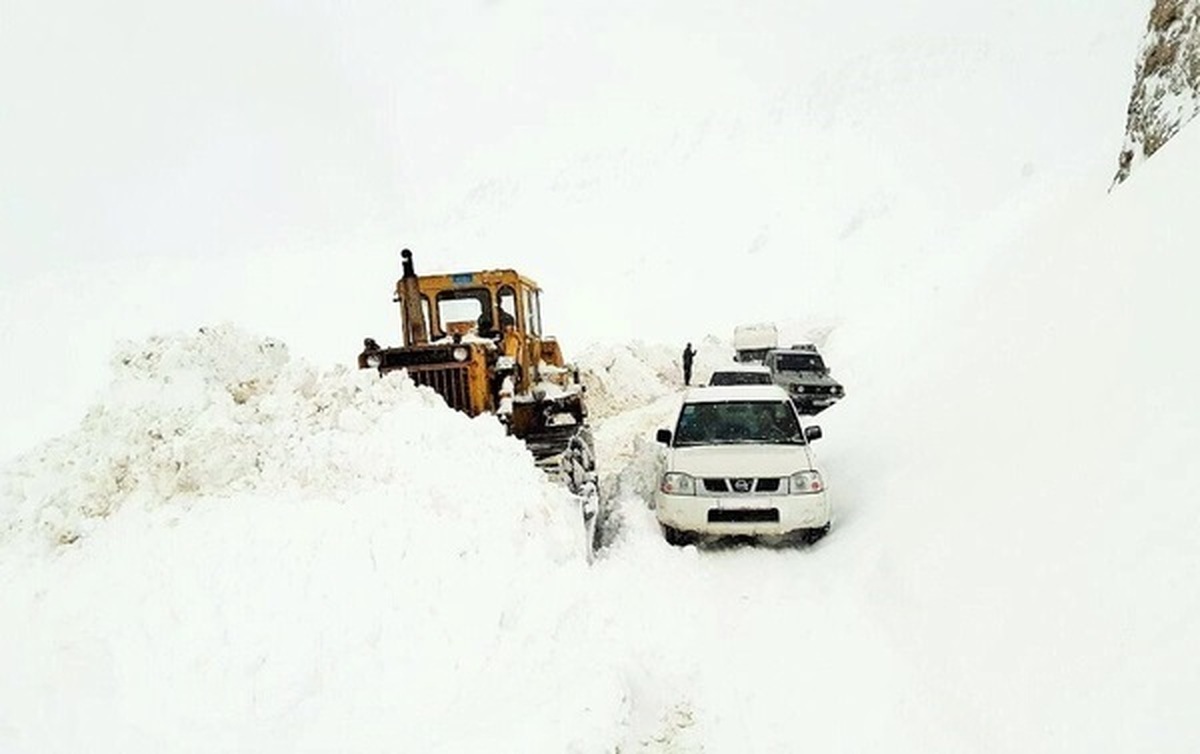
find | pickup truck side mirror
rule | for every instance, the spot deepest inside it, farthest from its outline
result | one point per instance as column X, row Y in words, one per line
column 812, row 433
column 663, row 436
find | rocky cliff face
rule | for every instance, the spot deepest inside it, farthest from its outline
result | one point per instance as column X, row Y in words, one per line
column 1166, row 90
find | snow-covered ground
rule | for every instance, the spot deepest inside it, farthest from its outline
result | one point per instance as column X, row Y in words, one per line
column 235, row 543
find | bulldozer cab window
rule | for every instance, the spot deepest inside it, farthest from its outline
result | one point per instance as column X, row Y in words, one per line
column 533, row 312
column 507, row 299
column 464, row 305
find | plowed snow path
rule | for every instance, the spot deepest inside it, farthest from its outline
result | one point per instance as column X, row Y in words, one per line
column 745, row 648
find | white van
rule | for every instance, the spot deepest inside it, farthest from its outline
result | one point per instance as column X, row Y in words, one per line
column 751, row 342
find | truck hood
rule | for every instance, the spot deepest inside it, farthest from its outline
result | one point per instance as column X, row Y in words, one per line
column 740, row 460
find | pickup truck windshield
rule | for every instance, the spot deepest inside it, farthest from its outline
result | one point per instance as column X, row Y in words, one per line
column 738, row 422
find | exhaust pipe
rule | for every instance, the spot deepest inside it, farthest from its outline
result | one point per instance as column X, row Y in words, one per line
column 416, row 330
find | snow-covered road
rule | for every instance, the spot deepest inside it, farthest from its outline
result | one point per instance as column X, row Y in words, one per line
column 257, row 554
column 732, row 646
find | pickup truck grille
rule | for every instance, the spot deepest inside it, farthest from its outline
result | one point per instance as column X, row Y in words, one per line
column 743, row 516
column 742, row 485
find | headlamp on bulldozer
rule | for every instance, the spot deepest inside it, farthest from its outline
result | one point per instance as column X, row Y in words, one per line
column 461, row 353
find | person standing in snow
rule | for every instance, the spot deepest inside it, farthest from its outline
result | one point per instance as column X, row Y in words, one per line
column 688, row 355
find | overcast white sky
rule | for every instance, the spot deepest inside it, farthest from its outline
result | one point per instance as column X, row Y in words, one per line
column 664, row 171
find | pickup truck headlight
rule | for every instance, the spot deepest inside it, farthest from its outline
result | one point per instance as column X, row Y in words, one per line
column 675, row 483
column 797, row 388
column 806, row 482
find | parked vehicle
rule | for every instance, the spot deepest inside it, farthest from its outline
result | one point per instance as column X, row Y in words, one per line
column 801, row 371
column 751, row 342
column 739, row 462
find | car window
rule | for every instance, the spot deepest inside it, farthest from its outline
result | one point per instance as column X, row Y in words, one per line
column 740, row 378
column 738, row 422
column 799, row 362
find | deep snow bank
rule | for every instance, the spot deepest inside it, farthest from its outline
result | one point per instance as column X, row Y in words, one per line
column 620, row 377
column 1029, row 513
column 222, row 412
column 626, row 376
column 248, row 553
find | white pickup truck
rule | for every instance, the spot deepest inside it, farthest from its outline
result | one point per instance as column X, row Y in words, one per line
column 739, row 461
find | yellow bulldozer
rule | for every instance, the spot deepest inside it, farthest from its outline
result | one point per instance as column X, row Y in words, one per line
column 476, row 339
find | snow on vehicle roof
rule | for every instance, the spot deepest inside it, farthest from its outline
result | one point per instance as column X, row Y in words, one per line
column 722, row 393
column 744, row 368
column 803, row 347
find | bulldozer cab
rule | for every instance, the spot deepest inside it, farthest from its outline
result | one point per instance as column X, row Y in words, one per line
column 502, row 307
column 476, row 339
column 485, row 304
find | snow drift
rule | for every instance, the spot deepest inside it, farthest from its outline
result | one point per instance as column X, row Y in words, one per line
column 249, row 552
column 221, row 412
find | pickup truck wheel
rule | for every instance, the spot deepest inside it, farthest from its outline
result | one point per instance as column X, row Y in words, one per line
column 676, row 537
column 812, row 536
column 804, row 408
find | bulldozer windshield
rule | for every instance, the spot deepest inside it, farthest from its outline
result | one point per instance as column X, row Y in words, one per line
column 464, row 305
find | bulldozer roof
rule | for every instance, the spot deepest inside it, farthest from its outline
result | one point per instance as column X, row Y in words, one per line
column 489, row 278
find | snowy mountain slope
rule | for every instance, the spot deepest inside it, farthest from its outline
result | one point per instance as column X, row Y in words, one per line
column 1005, row 574
column 1043, row 579
column 1166, row 87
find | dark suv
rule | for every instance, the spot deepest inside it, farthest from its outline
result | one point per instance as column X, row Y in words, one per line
column 801, row 371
